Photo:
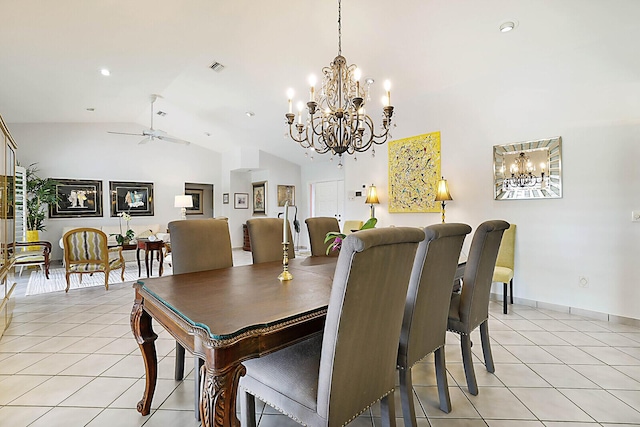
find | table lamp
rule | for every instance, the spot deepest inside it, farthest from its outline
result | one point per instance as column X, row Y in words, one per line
column 372, row 199
column 442, row 194
column 183, row 202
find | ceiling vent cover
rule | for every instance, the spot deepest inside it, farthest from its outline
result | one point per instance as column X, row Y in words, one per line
column 216, row 66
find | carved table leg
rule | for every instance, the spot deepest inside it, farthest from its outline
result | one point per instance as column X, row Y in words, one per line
column 218, row 396
column 143, row 332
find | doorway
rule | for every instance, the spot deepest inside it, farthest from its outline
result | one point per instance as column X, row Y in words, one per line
column 327, row 199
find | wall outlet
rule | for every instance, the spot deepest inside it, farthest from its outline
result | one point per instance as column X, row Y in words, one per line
column 583, row 282
column 635, row 216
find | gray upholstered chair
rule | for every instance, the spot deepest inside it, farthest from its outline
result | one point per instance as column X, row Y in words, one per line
column 424, row 326
column 330, row 379
column 318, row 228
column 265, row 235
column 198, row 245
column 470, row 308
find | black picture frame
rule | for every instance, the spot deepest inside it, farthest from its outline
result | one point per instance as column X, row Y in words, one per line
column 77, row 198
column 225, row 198
column 260, row 198
column 241, row 200
column 197, row 195
column 135, row 198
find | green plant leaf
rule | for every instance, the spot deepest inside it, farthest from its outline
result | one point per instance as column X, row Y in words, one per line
column 371, row 223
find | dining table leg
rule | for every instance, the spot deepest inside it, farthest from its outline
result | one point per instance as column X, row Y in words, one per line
column 218, row 395
column 144, row 335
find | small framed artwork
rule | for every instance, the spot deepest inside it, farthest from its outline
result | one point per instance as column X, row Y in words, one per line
column 225, row 198
column 77, row 198
column 260, row 198
column 241, row 200
column 286, row 193
column 197, row 196
column 135, row 198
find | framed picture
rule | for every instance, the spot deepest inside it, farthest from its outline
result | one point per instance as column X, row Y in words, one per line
column 286, row 192
column 260, row 198
column 77, row 198
column 135, row 198
column 225, row 198
column 197, row 196
column 241, row 200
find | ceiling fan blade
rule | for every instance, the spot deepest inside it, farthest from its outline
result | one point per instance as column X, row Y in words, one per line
column 145, row 140
column 172, row 139
column 125, row 133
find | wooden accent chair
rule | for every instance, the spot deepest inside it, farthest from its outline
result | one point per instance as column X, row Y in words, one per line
column 470, row 308
column 318, row 228
column 86, row 251
column 424, row 326
column 503, row 271
column 26, row 256
column 265, row 235
column 329, row 379
column 198, row 245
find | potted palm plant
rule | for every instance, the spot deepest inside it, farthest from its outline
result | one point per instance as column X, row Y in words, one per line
column 41, row 192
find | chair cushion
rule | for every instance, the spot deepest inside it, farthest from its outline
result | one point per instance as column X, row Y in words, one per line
column 502, row 274
column 288, row 390
column 29, row 256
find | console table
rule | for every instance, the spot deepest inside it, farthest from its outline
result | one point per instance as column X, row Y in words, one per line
column 149, row 247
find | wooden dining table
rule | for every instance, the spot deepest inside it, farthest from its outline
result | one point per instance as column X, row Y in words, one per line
column 227, row 316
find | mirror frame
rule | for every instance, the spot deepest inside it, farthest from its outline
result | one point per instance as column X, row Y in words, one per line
column 551, row 187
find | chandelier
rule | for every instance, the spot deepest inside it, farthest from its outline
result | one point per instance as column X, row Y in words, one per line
column 522, row 172
column 337, row 121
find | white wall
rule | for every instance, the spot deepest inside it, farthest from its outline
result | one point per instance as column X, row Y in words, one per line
column 87, row 151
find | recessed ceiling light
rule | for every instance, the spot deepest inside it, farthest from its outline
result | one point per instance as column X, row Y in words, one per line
column 507, row 26
column 250, row 113
column 207, row 134
column 105, row 72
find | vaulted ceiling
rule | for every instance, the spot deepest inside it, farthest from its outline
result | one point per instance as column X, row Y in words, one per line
column 51, row 54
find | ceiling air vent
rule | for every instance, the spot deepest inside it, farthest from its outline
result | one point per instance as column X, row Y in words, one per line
column 216, row 66
column 161, row 113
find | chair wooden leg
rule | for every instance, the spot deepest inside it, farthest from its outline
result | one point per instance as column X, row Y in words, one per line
column 247, row 410
column 504, row 298
column 486, row 346
column 388, row 411
column 511, row 289
column 406, row 398
column 106, row 279
column 80, row 277
column 467, row 360
column 197, row 366
column 68, row 282
column 178, row 374
column 443, row 384
column 122, row 273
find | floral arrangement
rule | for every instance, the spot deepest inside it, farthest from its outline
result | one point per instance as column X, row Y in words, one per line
column 125, row 238
column 339, row 237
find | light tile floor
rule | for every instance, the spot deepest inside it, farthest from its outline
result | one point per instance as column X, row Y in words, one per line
column 70, row 360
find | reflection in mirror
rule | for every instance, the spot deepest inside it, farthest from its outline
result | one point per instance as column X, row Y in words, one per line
column 528, row 170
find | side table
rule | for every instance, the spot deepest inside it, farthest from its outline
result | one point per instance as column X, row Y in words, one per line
column 150, row 247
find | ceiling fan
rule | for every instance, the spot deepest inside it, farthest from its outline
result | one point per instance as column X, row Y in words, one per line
column 152, row 134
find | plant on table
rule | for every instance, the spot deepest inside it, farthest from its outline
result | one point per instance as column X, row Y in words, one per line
column 338, row 237
column 124, row 238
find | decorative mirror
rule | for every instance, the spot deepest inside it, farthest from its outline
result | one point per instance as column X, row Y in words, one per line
column 528, row 170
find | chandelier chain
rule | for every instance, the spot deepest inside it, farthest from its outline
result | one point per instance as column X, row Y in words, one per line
column 339, row 27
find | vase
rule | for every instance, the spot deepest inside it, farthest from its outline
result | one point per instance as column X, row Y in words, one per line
column 33, row 236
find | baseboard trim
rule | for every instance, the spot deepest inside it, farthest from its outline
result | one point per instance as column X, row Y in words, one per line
column 596, row 315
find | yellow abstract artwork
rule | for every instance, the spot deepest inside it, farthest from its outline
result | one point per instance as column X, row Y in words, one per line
column 414, row 172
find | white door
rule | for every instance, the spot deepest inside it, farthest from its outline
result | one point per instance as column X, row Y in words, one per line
column 328, row 199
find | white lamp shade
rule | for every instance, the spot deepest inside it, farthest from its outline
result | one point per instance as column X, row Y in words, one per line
column 183, row 201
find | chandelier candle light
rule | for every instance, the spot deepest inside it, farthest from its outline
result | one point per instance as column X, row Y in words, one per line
column 337, row 120
column 285, row 275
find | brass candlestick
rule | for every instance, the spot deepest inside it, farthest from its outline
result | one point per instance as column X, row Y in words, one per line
column 285, row 275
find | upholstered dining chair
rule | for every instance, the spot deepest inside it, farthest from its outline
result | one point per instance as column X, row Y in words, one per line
column 265, row 235
column 351, row 225
column 470, row 308
column 198, row 245
column 329, row 379
column 86, row 251
column 424, row 326
column 318, row 228
column 503, row 271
